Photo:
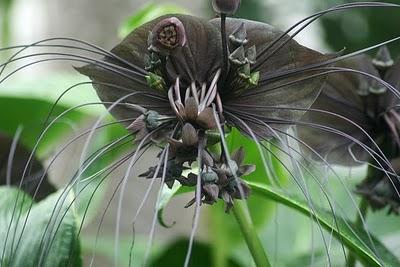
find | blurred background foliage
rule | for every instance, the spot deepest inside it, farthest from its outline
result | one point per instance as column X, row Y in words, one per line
column 291, row 238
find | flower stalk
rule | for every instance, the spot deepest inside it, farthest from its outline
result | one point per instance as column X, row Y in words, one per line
column 352, row 260
column 250, row 235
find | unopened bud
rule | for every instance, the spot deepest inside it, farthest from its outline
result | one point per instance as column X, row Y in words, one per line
column 238, row 56
column 239, row 36
column 251, row 54
column 228, row 7
column 166, row 36
column 383, row 59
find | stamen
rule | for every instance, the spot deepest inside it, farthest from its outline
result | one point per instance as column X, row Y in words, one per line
column 172, row 103
column 194, row 92
column 211, row 92
column 187, row 94
column 178, row 91
column 203, row 91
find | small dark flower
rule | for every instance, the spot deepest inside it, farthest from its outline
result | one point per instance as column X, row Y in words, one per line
column 355, row 118
column 223, row 180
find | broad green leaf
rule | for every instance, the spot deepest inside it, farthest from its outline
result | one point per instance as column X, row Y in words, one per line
column 355, row 239
column 147, row 13
column 62, row 248
column 31, row 114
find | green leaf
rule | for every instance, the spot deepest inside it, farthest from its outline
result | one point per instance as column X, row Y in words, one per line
column 147, row 13
column 355, row 239
column 31, row 114
column 63, row 251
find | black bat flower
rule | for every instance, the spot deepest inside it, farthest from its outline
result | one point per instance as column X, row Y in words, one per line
column 356, row 120
column 182, row 70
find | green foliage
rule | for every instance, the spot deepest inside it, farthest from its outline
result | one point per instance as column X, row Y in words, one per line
column 360, row 27
column 38, row 110
column 148, row 12
column 25, row 248
column 357, row 240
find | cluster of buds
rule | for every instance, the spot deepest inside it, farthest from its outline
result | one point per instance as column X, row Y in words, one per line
column 241, row 60
column 220, row 177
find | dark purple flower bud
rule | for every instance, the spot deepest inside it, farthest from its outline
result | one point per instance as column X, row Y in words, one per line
column 209, row 177
column 166, row 36
column 228, row 7
column 189, row 135
column 383, row 60
column 239, row 36
column 251, row 55
column 238, row 56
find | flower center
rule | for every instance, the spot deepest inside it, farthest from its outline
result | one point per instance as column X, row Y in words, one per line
column 168, row 36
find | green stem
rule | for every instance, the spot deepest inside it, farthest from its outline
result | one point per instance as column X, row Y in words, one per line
column 250, row 234
column 363, row 206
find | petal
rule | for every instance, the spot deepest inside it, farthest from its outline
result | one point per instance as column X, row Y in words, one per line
column 341, row 97
column 189, row 135
column 191, row 109
column 283, row 99
column 206, row 119
column 212, row 191
column 238, row 156
column 131, row 49
column 245, row 170
column 207, row 158
column 138, row 124
column 201, row 57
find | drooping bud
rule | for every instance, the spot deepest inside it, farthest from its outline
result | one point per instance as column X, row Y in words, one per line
column 363, row 88
column 189, row 135
column 251, row 55
column 377, row 90
column 166, row 36
column 238, row 56
column 239, row 36
column 227, row 7
column 383, row 60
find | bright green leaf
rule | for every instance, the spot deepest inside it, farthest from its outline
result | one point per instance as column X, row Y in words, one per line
column 61, row 247
column 355, row 239
column 149, row 12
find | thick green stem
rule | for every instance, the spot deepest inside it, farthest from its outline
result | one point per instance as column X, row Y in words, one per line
column 351, row 261
column 250, row 234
